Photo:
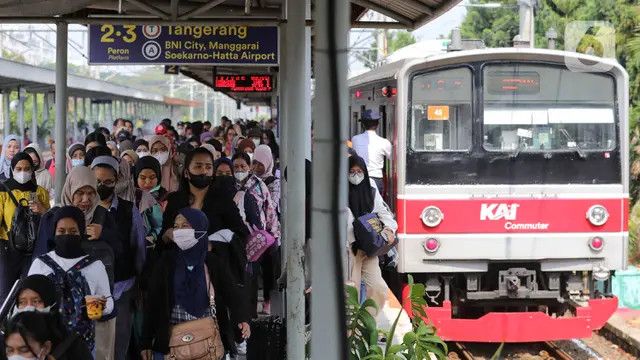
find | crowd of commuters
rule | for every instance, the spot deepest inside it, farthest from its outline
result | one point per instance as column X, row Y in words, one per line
column 160, row 243
column 148, row 243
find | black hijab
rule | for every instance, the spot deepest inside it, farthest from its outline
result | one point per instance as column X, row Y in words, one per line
column 147, row 162
column 42, row 285
column 12, row 184
column 360, row 196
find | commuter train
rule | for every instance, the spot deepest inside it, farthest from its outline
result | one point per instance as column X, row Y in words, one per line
column 510, row 180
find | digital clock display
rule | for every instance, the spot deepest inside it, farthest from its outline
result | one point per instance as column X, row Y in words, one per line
column 243, row 83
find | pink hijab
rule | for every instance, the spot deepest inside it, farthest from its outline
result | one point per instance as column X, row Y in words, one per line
column 169, row 176
column 263, row 154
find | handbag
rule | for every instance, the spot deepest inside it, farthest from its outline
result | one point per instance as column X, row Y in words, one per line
column 258, row 243
column 367, row 230
column 197, row 339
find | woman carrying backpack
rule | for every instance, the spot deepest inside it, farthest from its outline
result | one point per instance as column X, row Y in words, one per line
column 75, row 273
column 20, row 199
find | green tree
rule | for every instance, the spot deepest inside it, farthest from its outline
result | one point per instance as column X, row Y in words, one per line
column 396, row 40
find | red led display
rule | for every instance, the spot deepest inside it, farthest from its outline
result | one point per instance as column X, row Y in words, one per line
column 243, row 83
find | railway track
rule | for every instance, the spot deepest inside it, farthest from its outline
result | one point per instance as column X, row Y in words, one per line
column 543, row 350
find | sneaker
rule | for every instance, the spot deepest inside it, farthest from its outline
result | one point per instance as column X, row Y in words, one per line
column 266, row 307
column 242, row 348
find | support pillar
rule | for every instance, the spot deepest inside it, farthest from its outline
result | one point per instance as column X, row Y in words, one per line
column 329, row 197
column 91, row 113
column 21, row 99
column 111, row 117
column 34, row 119
column 6, row 97
column 45, row 110
column 294, row 123
column 61, row 107
column 75, row 119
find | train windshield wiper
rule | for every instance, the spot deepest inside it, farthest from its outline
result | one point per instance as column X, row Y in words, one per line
column 577, row 147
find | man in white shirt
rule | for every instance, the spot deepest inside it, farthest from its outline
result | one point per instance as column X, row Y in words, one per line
column 371, row 147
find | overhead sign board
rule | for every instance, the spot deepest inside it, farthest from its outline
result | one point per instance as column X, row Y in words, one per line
column 243, row 83
column 172, row 69
column 183, row 44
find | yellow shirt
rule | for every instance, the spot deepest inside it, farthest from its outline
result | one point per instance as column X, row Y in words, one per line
column 8, row 208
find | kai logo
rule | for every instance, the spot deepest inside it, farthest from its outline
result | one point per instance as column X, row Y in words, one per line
column 499, row 211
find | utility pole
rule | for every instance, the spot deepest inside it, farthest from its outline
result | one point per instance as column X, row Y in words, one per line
column 527, row 21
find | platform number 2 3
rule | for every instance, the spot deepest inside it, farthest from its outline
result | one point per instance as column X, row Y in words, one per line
column 109, row 30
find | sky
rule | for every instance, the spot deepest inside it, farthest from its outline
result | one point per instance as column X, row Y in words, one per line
column 440, row 26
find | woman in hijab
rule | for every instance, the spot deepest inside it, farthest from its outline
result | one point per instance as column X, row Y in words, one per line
column 197, row 191
column 75, row 155
column 141, row 147
column 130, row 157
column 36, row 293
column 269, row 139
column 148, row 177
column 364, row 199
column 43, row 178
column 229, row 138
column 69, row 225
column 147, row 180
column 160, row 148
column 10, row 147
column 187, row 276
column 258, row 212
column 263, row 168
column 23, row 187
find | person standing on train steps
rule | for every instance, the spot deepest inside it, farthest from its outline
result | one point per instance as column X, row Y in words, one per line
column 372, row 147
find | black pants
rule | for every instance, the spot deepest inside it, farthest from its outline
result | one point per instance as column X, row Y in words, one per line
column 265, row 267
column 12, row 267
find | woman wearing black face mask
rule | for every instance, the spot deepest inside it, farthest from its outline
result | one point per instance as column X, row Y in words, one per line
column 69, row 223
column 197, row 191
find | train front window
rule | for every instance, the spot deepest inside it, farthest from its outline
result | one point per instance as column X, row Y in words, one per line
column 441, row 111
column 536, row 108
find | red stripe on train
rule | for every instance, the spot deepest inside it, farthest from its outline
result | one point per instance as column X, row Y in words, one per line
column 475, row 216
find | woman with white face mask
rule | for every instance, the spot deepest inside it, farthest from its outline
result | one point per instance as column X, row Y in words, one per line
column 38, row 336
column 160, row 148
column 25, row 190
column 197, row 288
column 259, row 211
column 364, row 199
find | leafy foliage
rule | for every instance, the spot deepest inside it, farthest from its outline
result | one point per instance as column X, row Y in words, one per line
column 395, row 40
column 363, row 332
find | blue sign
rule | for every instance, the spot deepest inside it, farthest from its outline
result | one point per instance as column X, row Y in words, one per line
column 183, row 44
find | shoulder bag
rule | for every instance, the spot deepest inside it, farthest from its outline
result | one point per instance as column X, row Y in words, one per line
column 197, row 339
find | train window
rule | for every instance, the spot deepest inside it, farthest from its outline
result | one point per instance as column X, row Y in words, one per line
column 542, row 108
column 441, row 111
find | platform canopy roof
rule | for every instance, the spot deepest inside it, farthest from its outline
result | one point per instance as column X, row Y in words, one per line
column 404, row 14
column 409, row 14
column 33, row 79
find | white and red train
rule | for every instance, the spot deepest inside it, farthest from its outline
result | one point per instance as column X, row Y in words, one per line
column 510, row 182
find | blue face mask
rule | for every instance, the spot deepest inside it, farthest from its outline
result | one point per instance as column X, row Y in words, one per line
column 77, row 162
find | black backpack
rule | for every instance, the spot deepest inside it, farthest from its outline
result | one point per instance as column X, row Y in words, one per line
column 24, row 227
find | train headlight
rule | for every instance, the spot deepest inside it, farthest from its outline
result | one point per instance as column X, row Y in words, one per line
column 597, row 215
column 432, row 216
